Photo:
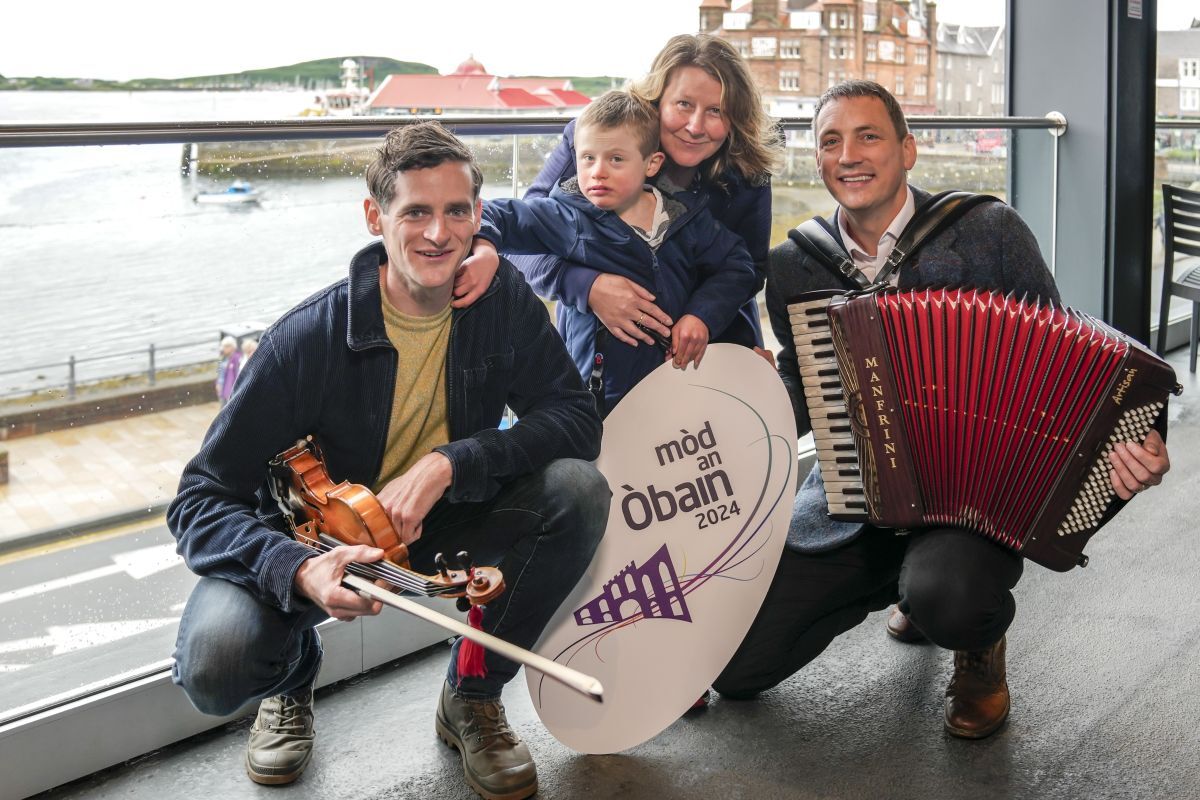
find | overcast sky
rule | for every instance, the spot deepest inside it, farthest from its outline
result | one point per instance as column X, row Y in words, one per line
column 163, row 39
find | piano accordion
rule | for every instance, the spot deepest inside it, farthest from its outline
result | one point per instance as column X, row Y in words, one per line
column 971, row 409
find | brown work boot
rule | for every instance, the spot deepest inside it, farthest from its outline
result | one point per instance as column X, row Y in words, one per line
column 496, row 762
column 281, row 738
column 977, row 699
column 900, row 627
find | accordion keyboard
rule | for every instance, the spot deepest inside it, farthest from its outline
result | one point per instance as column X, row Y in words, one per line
column 831, row 426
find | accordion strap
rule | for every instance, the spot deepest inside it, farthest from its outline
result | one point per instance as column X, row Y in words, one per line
column 814, row 236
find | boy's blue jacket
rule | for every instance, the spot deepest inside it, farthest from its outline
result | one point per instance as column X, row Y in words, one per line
column 741, row 204
column 701, row 268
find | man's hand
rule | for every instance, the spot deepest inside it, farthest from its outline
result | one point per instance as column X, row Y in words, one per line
column 689, row 338
column 476, row 273
column 621, row 305
column 320, row 580
column 408, row 499
column 1137, row 467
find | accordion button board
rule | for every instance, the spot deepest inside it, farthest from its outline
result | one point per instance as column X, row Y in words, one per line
column 972, row 409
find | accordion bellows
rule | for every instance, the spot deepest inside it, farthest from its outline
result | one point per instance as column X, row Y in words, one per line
column 971, row 409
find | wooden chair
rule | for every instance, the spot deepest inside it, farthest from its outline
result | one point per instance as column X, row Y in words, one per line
column 1181, row 235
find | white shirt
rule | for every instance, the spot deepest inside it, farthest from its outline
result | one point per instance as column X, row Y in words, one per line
column 870, row 265
column 662, row 220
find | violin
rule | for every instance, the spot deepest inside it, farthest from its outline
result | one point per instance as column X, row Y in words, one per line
column 324, row 514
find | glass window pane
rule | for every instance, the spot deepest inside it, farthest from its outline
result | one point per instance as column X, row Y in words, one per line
column 1176, row 151
column 135, row 268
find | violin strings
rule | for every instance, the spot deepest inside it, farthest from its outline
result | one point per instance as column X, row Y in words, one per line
column 365, row 571
column 407, row 580
column 399, row 573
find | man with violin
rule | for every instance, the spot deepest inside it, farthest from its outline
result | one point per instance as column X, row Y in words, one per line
column 403, row 394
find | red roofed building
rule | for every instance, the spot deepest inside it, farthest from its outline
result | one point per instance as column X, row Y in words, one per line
column 471, row 90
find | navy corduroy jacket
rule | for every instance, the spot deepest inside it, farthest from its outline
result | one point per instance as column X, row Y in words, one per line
column 741, row 205
column 326, row 368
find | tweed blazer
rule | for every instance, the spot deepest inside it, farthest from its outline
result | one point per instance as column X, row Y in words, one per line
column 989, row 247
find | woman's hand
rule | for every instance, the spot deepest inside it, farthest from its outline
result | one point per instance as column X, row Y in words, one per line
column 689, row 338
column 476, row 273
column 767, row 356
column 620, row 304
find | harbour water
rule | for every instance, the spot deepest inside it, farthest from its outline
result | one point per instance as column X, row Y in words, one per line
column 103, row 249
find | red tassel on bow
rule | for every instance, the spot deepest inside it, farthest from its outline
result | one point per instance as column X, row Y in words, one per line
column 470, row 654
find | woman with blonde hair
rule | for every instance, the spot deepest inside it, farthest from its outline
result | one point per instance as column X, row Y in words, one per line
column 720, row 147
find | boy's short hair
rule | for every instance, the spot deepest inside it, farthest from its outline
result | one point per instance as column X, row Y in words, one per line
column 860, row 88
column 417, row 146
column 620, row 109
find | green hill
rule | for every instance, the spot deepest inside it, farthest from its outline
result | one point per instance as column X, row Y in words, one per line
column 321, row 74
column 326, row 72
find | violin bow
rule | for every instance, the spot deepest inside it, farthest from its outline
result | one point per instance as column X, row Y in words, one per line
column 573, row 679
column 355, row 577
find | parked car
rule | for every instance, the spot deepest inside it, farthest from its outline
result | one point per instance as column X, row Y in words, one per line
column 991, row 142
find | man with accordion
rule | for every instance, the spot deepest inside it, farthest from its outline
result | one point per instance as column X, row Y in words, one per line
column 950, row 585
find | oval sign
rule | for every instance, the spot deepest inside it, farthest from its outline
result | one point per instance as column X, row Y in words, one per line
column 702, row 466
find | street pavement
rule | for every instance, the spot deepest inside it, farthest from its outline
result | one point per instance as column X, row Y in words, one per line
column 62, row 481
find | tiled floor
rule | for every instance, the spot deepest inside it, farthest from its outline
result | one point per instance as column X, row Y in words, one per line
column 65, row 477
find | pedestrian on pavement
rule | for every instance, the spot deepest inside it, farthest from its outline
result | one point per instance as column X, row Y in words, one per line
column 228, row 367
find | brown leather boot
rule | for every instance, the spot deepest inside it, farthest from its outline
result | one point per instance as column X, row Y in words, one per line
column 900, row 627
column 497, row 764
column 977, row 701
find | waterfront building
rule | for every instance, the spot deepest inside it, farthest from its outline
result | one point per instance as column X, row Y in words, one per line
column 348, row 101
column 970, row 70
column 1178, row 73
column 799, row 48
column 470, row 89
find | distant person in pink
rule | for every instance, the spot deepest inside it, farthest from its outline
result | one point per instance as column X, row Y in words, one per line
column 227, row 368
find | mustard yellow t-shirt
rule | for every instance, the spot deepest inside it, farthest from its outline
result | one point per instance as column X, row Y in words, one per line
column 418, row 422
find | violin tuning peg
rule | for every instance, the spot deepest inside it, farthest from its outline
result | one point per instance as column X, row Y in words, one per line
column 464, row 560
column 463, row 604
column 443, row 569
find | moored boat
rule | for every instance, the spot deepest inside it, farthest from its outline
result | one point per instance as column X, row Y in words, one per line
column 237, row 192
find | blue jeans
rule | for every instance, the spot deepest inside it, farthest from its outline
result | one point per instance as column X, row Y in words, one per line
column 541, row 530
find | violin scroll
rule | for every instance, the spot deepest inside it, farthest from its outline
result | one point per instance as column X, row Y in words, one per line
column 482, row 584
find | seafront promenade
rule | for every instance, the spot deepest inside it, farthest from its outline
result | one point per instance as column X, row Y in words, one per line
column 65, row 481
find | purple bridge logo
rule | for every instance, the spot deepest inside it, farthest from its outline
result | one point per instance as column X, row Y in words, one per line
column 651, row 590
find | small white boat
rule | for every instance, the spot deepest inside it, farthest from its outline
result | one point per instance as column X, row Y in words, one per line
column 236, row 192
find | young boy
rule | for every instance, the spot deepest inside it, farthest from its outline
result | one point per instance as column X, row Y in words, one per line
column 608, row 219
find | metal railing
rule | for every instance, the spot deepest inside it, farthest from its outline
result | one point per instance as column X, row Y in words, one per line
column 74, row 134
column 40, row 134
column 72, row 381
